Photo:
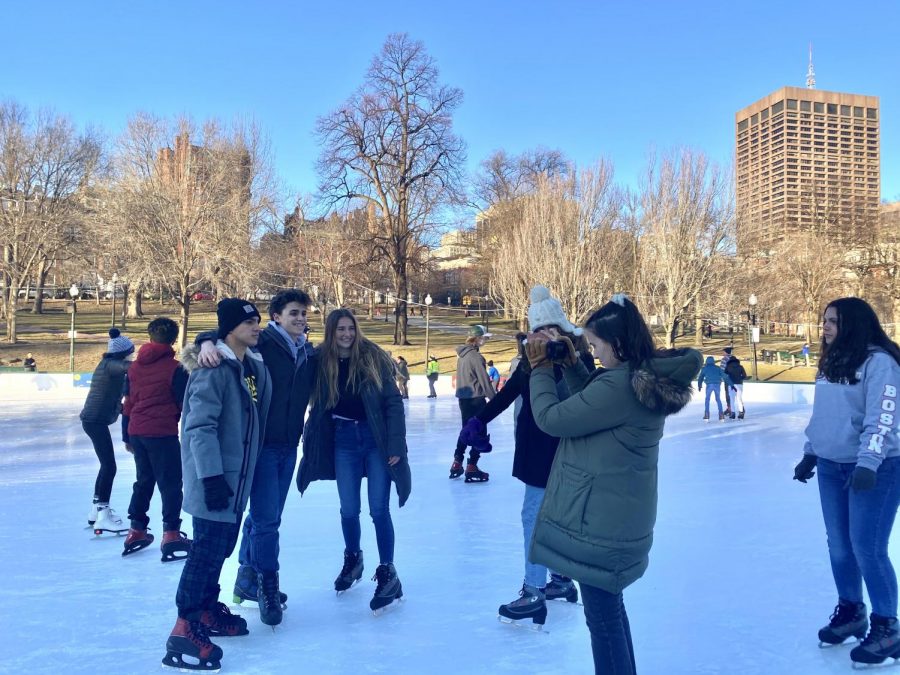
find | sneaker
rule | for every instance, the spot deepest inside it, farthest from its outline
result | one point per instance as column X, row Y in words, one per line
column 848, row 620
column 351, row 572
column 560, row 588
column 220, row 621
column 882, row 642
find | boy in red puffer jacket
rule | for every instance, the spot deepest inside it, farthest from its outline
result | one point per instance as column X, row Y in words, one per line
column 154, row 394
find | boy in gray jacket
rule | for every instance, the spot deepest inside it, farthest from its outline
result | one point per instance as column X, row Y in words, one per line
column 221, row 430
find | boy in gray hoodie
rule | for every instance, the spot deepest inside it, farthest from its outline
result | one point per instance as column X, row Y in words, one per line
column 221, row 431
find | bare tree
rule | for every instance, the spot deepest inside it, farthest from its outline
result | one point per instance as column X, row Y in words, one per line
column 44, row 163
column 687, row 214
column 391, row 145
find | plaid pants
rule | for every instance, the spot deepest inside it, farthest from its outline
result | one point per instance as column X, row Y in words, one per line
column 198, row 589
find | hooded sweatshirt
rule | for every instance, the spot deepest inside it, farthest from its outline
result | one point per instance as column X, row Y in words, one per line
column 712, row 375
column 596, row 521
column 472, row 380
column 857, row 423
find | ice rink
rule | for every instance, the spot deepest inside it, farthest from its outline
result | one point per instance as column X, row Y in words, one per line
column 739, row 580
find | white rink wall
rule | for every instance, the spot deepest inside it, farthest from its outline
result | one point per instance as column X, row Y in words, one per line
column 24, row 387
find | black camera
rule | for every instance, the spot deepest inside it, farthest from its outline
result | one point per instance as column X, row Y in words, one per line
column 557, row 350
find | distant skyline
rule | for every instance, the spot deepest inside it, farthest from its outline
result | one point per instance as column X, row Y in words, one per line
column 589, row 78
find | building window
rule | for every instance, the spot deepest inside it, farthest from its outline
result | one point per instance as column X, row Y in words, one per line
column 832, row 108
column 845, row 110
column 742, row 125
column 857, row 111
column 872, row 113
column 804, row 106
column 754, row 119
column 819, row 107
column 792, row 104
column 765, row 114
column 778, row 107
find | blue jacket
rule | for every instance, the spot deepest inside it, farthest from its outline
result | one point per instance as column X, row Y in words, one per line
column 857, row 423
column 712, row 375
column 222, row 429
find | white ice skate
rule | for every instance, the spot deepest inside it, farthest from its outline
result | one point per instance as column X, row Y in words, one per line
column 108, row 521
column 92, row 514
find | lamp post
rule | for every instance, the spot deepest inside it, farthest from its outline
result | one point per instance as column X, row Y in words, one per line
column 428, row 302
column 73, row 293
column 112, row 317
column 753, row 330
column 386, row 303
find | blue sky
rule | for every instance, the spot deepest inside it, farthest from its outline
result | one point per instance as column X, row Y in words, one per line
column 592, row 79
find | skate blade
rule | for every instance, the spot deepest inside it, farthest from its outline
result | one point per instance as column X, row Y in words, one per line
column 393, row 604
column 171, row 557
column 116, row 532
column 525, row 624
column 477, row 480
column 340, row 593
column 237, row 603
column 849, row 642
column 188, row 664
column 889, row 662
column 565, row 602
column 135, row 549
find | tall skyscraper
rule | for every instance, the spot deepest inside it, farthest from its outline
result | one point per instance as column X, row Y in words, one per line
column 809, row 160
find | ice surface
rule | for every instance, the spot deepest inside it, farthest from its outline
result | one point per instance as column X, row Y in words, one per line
column 739, row 580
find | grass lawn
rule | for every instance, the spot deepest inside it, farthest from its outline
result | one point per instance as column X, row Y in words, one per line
column 46, row 337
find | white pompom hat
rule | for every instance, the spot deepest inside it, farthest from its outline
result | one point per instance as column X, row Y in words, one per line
column 545, row 310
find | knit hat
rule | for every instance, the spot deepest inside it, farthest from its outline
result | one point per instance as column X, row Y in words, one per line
column 545, row 310
column 478, row 331
column 118, row 343
column 232, row 312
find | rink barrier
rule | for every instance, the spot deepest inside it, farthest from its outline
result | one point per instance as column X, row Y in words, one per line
column 65, row 386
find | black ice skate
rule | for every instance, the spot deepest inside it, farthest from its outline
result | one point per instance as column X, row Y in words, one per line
column 189, row 638
column 456, row 469
column 848, row 620
column 136, row 540
column 561, row 589
column 882, row 642
column 529, row 605
column 270, row 612
column 220, row 622
column 388, row 589
column 174, row 546
column 706, row 417
column 741, row 415
column 476, row 475
column 351, row 572
column 246, row 587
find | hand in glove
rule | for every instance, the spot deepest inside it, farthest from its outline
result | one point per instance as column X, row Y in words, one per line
column 536, row 351
column 804, row 470
column 861, row 479
column 216, row 493
column 472, row 431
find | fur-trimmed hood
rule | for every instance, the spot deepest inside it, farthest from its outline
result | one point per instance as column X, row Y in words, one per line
column 190, row 354
column 665, row 384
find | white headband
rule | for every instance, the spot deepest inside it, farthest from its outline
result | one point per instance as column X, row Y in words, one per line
column 619, row 299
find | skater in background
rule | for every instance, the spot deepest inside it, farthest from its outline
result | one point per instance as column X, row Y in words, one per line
column 493, row 376
column 101, row 409
column 29, row 364
column 473, row 390
column 155, row 388
column 852, row 440
column 291, row 364
column 403, row 377
column 736, row 373
column 357, row 428
column 713, row 376
column 596, row 521
column 534, row 453
column 432, row 372
column 723, row 363
column 222, row 430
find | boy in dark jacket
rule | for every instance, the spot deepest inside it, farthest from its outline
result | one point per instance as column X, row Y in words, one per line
column 473, row 390
column 736, row 372
column 101, row 408
column 291, row 364
column 222, row 428
column 155, row 390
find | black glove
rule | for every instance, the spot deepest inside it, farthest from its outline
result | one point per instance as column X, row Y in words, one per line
column 804, row 470
column 861, row 479
column 216, row 493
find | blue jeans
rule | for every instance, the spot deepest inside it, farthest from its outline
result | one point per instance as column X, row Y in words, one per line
column 610, row 632
column 712, row 391
column 356, row 454
column 271, row 484
column 859, row 526
column 535, row 575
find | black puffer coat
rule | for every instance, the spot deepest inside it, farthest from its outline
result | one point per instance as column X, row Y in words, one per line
column 103, row 404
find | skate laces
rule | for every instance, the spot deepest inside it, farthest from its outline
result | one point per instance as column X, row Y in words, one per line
column 199, row 634
column 843, row 613
column 382, row 576
column 222, row 613
column 877, row 632
column 350, row 561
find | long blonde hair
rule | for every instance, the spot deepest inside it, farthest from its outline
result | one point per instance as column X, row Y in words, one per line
column 366, row 362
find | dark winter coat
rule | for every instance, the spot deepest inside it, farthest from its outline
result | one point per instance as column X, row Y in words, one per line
column 596, row 521
column 222, row 429
column 472, row 380
column 385, row 417
column 403, row 371
column 735, row 371
column 712, row 375
column 156, row 386
column 104, row 400
column 292, row 385
column 535, row 450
